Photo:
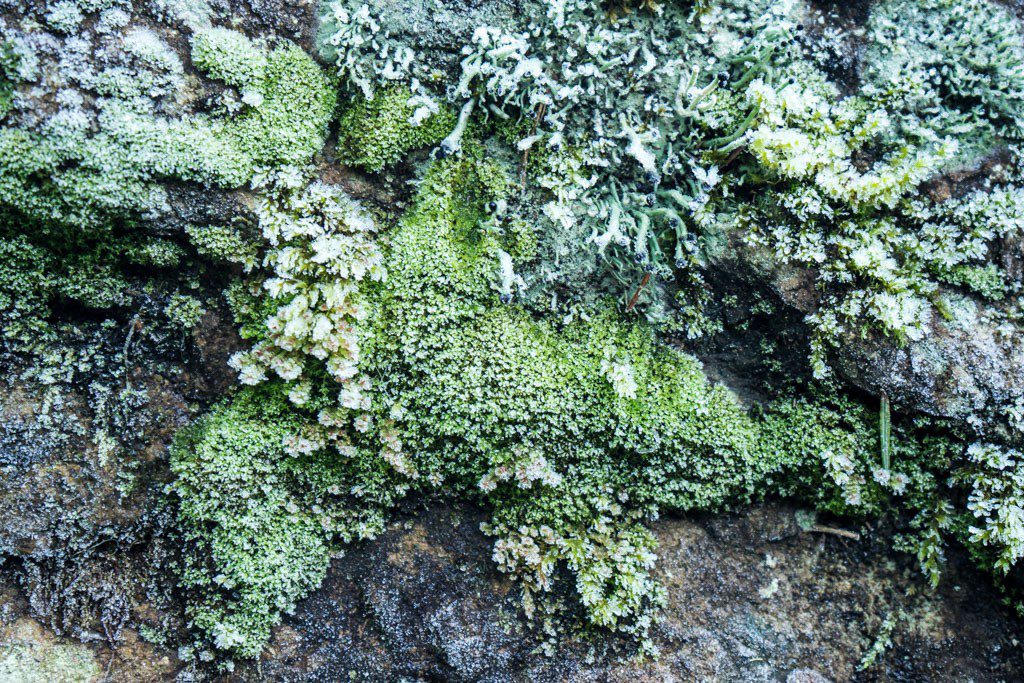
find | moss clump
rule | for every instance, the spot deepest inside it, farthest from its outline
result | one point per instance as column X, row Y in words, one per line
column 73, row 176
column 378, row 132
column 288, row 107
column 72, row 193
column 259, row 515
column 229, row 56
column 573, row 432
column 224, row 243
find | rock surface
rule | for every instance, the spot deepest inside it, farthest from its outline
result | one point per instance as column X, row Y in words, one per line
column 751, row 598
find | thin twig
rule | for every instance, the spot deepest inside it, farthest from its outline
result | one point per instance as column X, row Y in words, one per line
column 836, row 532
column 639, row 290
column 885, row 430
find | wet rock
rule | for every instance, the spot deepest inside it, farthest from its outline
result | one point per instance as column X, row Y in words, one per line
column 189, row 204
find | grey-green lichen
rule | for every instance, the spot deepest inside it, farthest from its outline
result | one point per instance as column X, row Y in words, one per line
column 665, row 131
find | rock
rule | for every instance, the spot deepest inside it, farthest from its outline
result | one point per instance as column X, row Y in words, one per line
column 965, row 367
column 86, row 556
column 750, row 598
column 968, row 368
column 30, row 655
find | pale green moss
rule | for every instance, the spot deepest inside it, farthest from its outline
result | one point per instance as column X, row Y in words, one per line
column 75, row 177
column 259, row 518
column 9, row 62
column 378, row 132
column 224, row 243
column 184, row 311
column 29, row 655
column 229, row 56
column 538, row 420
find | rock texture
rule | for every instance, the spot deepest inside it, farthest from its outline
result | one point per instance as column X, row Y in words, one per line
column 751, row 597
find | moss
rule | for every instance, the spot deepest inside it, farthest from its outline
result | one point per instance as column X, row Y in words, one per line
column 574, row 424
column 27, row 285
column 72, row 195
column 258, row 521
column 184, row 311
column 533, row 422
column 376, row 133
column 289, row 126
column 88, row 179
column 9, row 62
column 573, row 432
column 988, row 281
column 229, row 56
column 224, row 243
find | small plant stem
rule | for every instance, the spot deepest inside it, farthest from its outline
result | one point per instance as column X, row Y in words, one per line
column 835, row 532
column 885, row 430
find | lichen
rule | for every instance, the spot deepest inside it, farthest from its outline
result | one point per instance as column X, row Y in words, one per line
column 29, row 655
column 662, row 131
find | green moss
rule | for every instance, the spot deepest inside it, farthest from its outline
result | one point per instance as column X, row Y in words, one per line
column 229, row 56
column 259, row 520
column 27, row 285
column 9, row 62
column 184, row 311
column 538, row 421
column 83, row 179
column 224, row 243
column 377, row 133
column 72, row 196
column 573, row 432
column 989, row 280
column 288, row 127
column 574, row 428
